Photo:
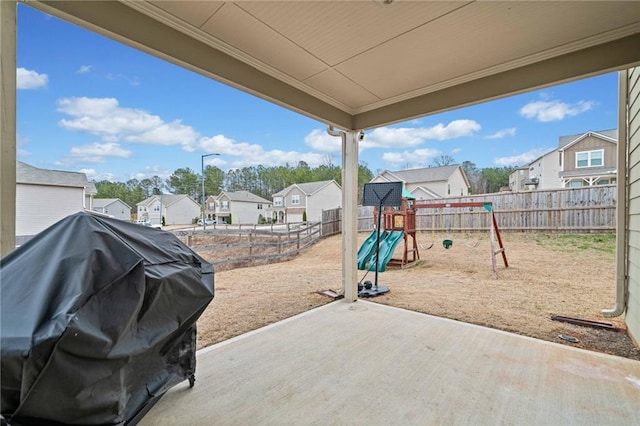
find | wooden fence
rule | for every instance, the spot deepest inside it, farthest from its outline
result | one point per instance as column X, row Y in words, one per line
column 572, row 210
column 235, row 246
column 579, row 210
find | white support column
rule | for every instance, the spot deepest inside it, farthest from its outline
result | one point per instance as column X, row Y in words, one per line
column 350, row 215
column 7, row 126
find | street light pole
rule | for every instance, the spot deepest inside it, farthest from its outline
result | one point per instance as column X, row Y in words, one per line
column 204, row 223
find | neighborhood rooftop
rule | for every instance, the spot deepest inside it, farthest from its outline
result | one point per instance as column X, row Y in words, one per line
column 308, row 187
column 565, row 140
column 427, row 174
column 245, row 196
column 29, row 174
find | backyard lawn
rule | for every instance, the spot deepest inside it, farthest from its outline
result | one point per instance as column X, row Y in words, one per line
column 548, row 274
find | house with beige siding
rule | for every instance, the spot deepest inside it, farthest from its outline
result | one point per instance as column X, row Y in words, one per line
column 309, row 199
column 43, row 197
column 588, row 159
column 584, row 159
column 238, row 207
column 430, row 182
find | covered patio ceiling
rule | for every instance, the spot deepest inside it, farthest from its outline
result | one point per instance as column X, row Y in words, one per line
column 363, row 64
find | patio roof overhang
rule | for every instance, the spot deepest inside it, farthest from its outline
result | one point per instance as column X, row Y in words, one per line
column 352, row 64
column 363, row 64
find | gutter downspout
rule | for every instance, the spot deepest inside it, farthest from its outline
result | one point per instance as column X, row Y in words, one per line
column 622, row 209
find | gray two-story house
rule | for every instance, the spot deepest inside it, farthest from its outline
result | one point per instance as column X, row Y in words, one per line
column 301, row 200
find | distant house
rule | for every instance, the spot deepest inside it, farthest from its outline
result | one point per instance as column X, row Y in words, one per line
column 430, row 182
column 589, row 159
column 176, row 209
column 114, row 207
column 240, row 206
column 544, row 172
column 291, row 204
column 89, row 195
column 584, row 159
column 44, row 196
column 517, row 178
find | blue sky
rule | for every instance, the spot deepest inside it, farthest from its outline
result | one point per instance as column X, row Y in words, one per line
column 87, row 103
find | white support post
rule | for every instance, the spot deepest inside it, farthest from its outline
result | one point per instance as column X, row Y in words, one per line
column 7, row 126
column 350, row 215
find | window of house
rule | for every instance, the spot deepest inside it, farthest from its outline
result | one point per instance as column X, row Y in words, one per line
column 575, row 184
column 259, row 206
column 277, row 202
column 225, row 204
column 156, row 208
column 295, row 200
column 589, row 158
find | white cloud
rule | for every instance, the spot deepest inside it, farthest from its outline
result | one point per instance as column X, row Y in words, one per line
column 21, row 143
column 546, row 111
column 502, row 133
column 27, row 79
column 151, row 171
column 104, row 117
column 92, row 174
column 321, row 141
column 242, row 154
column 114, row 124
column 520, row 159
column 84, row 69
column 98, row 152
column 456, row 150
column 416, row 158
column 133, row 81
column 405, row 137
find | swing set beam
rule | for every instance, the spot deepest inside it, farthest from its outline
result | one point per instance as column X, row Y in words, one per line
column 494, row 231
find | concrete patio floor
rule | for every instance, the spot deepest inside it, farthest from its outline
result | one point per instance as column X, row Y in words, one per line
column 365, row 363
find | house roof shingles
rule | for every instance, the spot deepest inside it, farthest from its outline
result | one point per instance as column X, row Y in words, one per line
column 566, row 140
column 308, row 188
column 103, row 202
column 167, row 199
column 33, row 175
column 245, row 196
column 426, row 174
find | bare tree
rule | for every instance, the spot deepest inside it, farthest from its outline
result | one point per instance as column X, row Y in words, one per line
column 444, row 160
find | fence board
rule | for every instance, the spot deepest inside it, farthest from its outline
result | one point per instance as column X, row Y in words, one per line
column 582, row 210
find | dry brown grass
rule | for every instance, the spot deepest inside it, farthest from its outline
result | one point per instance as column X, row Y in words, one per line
column 564, row 275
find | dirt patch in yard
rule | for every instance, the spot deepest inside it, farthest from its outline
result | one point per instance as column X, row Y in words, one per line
column 569, row 275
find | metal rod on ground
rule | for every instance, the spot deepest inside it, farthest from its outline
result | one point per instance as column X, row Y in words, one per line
column 378, row 239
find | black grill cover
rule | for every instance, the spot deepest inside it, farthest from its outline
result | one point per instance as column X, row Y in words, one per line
column 98, row 321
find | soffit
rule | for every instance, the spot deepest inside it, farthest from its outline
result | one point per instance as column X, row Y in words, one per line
column 361, row 64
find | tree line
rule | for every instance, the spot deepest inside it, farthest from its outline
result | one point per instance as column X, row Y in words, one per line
column 266, row 181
